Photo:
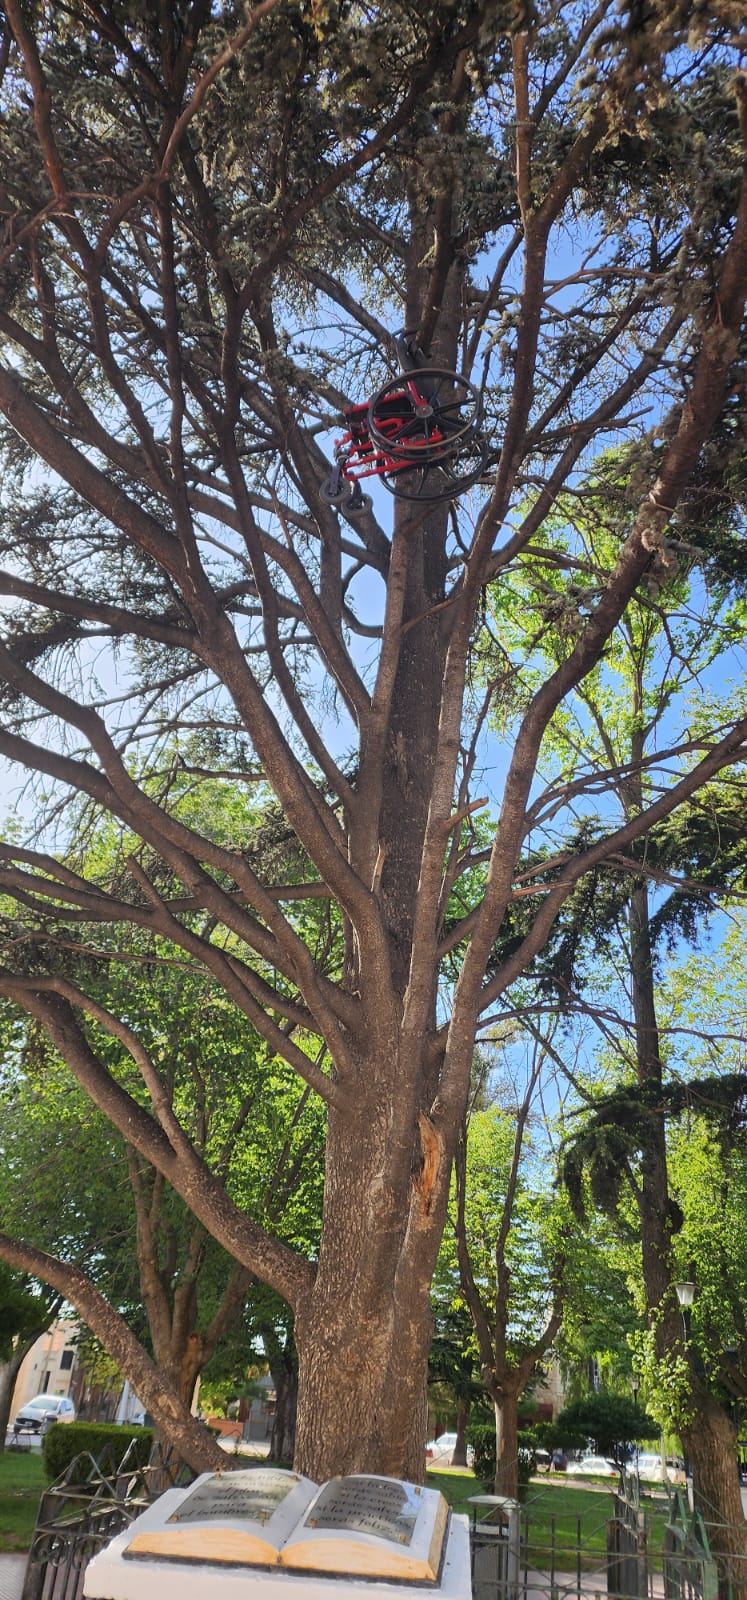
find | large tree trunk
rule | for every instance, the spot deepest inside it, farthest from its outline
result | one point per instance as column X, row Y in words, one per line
column 507, row 1443
column 711, row 1444
column 283, row 1437
column 364, row 1333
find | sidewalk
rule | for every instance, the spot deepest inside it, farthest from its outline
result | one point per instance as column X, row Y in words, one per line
column 12, row 1573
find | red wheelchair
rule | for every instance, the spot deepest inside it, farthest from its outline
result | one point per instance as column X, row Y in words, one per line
column 420, row 434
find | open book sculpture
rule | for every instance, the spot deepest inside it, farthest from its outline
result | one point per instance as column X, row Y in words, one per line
column 264, row 1517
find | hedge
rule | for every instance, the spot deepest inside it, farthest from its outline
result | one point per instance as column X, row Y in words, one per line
column 105, row 1441
column 481, row 1435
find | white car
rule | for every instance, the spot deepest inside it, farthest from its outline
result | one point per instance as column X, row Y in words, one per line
column 441, row 1449
column 38, row 1414
column 591, row 1467
column 649, row 1466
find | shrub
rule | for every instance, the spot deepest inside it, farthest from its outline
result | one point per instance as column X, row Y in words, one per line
column 105, row 1441
column 481, row 1435
column 612, row 1421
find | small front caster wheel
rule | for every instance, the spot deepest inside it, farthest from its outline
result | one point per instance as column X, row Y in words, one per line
column 356, row 502
column 336, row 494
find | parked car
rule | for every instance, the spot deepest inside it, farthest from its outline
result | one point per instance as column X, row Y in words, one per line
column 591, row 1467
column 38, row 1414
column 441, row 1449
column 649, row 1466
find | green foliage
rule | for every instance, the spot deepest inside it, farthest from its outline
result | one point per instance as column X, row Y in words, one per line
column 536, row 1235
column 647, row 689
column 613, row 1421
column 244, row 1111
column 452, row 1361
column 22, row 1312
column 481, row 1436
column 620, row 1126
column 667, row 1376
column 107, row 1442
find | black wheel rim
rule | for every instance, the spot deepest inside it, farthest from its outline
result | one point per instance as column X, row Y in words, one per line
column 454, row 410
column 438, row 481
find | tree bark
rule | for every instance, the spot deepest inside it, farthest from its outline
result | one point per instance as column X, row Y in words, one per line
column 506, row 1406
column 8, row 1373
column 711, row 1443
column 363, row 1334
column 283, row 1437
column 459, row 1453
column 709, row 1439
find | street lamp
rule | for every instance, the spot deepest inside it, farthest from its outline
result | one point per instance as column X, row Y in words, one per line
column 685, row 1295
column 635, row 1385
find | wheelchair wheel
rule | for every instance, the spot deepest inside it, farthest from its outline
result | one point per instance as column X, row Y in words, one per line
column 353, row 503
column 334, row 494
column 428, row 410
column 439, row 480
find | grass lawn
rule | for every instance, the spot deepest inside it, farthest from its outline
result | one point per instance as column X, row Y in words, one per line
column 22, row 1480
column 456, row 1485
column 556, row 1509
column 561, row 1516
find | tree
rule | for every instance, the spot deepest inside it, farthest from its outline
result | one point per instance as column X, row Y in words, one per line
column 211, row 218
column 264, row 1340
column 630, row 1137
column 708, row 1177
column 512, row 1253
column 638, row 699
column 613, row 1421
column 88, row 1198
column 529, row 1276
column 452, row 1370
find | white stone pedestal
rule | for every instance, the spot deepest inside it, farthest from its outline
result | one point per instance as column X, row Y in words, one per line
column 114, row 1576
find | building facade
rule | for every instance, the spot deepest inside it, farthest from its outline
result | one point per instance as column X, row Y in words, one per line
column 50, row 1366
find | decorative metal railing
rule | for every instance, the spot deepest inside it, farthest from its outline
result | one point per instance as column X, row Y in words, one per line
column 82, row 1511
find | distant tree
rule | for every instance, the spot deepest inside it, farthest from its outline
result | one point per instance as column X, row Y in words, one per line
column 94, row 1202
column 612, row 1421
column 513, row 1257
column 264, row 1338
column 604, row 958
column 453, row 1370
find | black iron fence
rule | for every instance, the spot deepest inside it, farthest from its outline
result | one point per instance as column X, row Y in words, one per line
column 533, row 1555
column 82, row 1511
column 517, row 1553
column 704, row 1557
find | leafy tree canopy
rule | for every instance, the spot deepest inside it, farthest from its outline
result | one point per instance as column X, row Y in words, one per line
column 612, row 1421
